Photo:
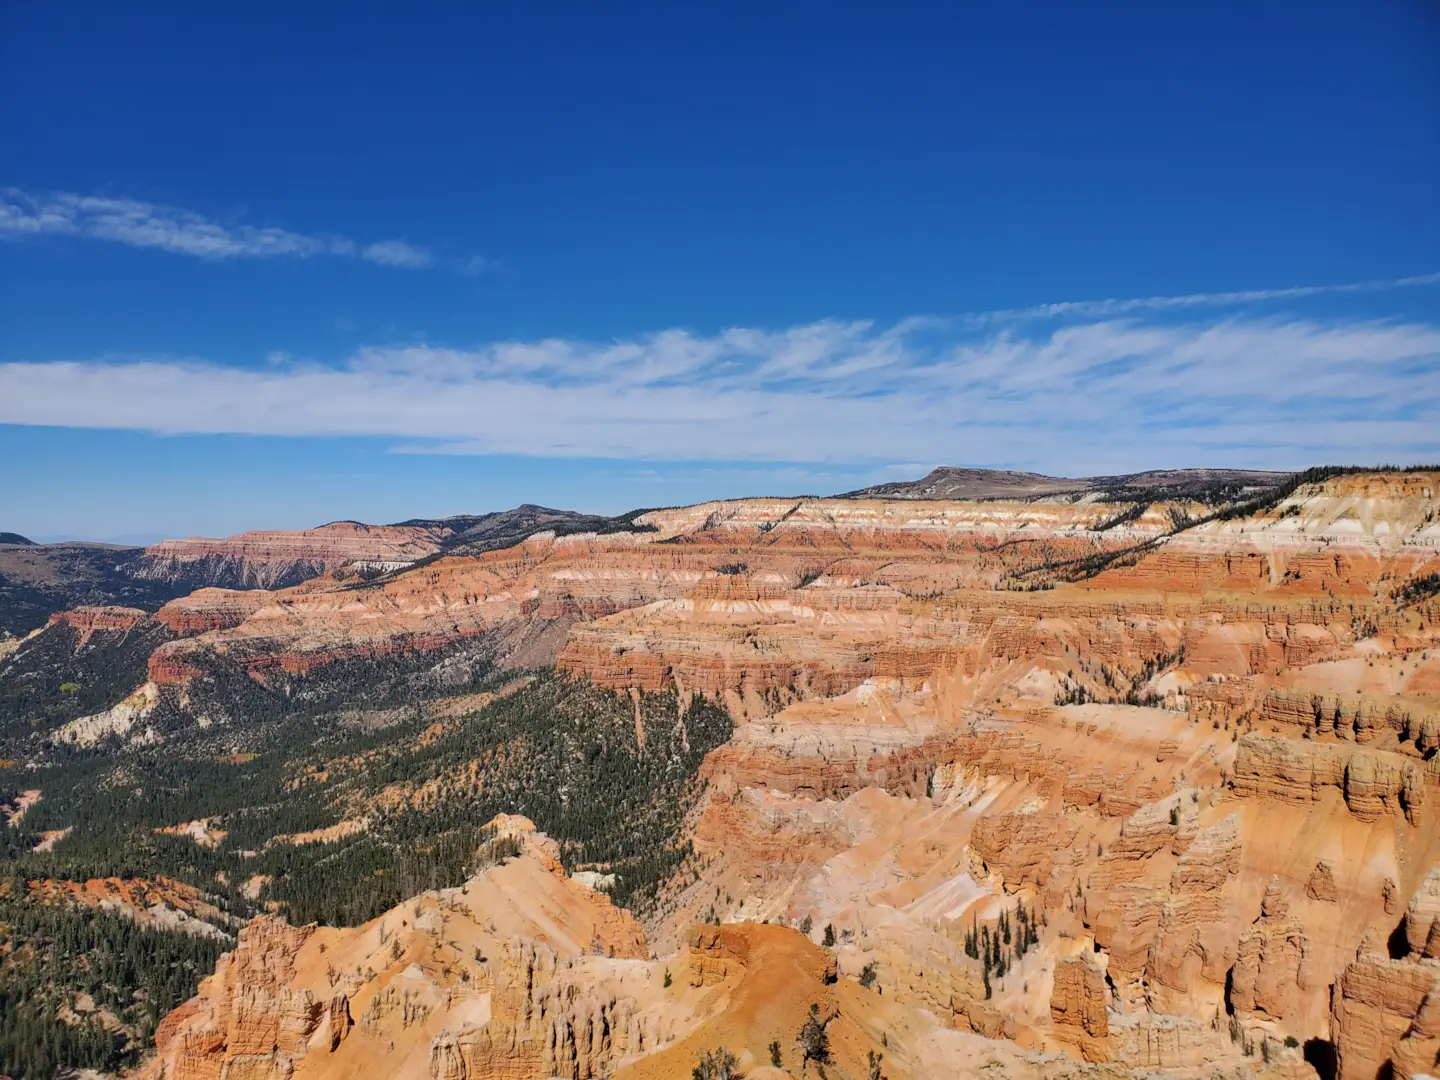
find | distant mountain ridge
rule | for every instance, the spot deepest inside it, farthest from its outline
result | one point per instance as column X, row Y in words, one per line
column 952, row 482
column 471, row 534
column 37, row 580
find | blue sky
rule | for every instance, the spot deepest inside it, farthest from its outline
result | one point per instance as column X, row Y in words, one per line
column 267, row 270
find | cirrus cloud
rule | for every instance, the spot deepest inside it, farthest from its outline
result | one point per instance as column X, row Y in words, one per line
column 1098, row 396
column 140, row 224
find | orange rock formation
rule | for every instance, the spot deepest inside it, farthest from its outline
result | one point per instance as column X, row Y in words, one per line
column 1204, row 779
column 263, row 559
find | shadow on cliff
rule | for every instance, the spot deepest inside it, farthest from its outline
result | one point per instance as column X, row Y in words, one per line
column 1398, row 943
column 1320, row 1054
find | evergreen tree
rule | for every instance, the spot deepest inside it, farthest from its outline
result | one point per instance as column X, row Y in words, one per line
column 814, row 1039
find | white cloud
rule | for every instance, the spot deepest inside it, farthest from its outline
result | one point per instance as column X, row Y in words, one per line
column 1090, row 397
column 182, row 232
column 1106, row 308
column 398, row 253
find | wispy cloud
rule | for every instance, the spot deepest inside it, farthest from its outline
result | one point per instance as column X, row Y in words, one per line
column 398, row 253
column 184, row 232
column 1096, row 309
column 167, row 228
column 1089, row 396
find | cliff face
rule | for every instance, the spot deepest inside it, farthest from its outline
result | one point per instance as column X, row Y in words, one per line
column 37, row 580
column 87, row 620
column 767, row 600
column 1385, row 1012
column 272, row 559
column 1372, row 782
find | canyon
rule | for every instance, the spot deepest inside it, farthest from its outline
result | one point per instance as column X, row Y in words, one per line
column 1061, row 779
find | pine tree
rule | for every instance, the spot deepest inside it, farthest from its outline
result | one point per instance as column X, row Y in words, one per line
column 814, row 1040
column 718, row 1064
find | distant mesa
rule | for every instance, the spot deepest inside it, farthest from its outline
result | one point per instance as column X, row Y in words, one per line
column 950, row 482
column 38, row 580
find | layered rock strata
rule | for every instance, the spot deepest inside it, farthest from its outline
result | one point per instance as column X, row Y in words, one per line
column 1172, row 801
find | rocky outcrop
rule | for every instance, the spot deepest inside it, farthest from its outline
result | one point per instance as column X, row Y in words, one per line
column 1271, row 964
column 119, row 720
column 1166, row 934
column 432, row 990
column 1168, row 1043
column 1194, row 942
column 1321, row 885
column 211, row 609
column 815, row 751
column 88, row 620
column 553, row 1019
column 247, row 1019
column 1422, row 914
column 1077, row 1002
column 174, row 664
column 289, row 993
column 1373, row 782
column 1386, row 1012
column 1021, row 847
column 1358, row 719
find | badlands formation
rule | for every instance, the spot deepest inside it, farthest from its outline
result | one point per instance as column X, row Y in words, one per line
column 267, row 559
column 273, row 559
column 1036, row 788
column 38, row 580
